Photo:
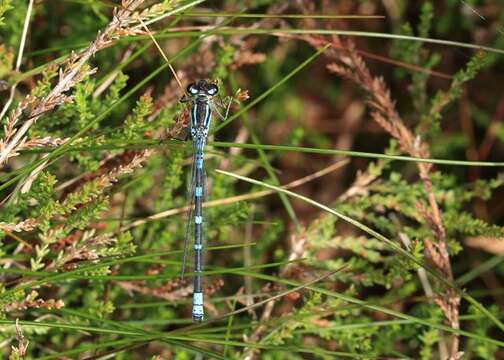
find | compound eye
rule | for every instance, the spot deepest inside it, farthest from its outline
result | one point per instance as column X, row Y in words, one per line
column 212, row 89
column 192, row 89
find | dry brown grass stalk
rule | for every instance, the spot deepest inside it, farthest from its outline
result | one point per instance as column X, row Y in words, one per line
column 351, row 65
column 298, row 247
column 25, row 225
column 234, row 199
column 32, row 301
column 105, row 176
column 71, row 72
column 19, row 352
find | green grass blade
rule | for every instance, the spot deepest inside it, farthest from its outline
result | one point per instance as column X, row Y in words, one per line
column 365, row 34
column 440, row 277
column 381, row 309
column 266, row 163
column 62, row 149
column 480, row 269
column 271, row 89
column 141, row 144
column 281, row 16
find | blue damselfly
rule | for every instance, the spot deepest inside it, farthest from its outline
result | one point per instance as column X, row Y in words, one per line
column 200, row 95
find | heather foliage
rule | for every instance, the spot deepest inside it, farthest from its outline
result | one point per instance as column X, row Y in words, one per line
column 355, row 189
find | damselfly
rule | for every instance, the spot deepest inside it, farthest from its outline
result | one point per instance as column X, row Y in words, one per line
column 200, row 96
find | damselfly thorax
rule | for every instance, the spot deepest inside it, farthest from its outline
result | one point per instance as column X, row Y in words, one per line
column 201, row 94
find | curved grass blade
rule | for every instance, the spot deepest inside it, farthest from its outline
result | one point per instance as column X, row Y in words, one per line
column 278, row 296
column 482, row 268
column 380, row 237
column 348, row 153
column 281, row 16
column 271, row 89
column 382, row 309
column 95, row 346
column 62, row 149
column 52, row 277
column 365, row 34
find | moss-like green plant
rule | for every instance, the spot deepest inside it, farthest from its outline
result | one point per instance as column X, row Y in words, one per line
column 392, row 253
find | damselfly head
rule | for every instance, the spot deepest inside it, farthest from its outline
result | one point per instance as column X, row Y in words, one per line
column 202, row 88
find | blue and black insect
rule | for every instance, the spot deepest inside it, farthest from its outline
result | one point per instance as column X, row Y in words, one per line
column 200, row 95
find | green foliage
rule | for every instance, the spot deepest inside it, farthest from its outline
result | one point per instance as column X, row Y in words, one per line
column 432, row 117
column 480, row 326
column 6, row 61
column 11, row 30
column 10, row 298
column 429, row 338
column 135, row 123
column 101, row 225
column 415, row 54
column 5, row 5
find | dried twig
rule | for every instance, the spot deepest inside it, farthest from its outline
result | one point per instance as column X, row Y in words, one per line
column 25, row 225
column 32, row 301
column 105, row 176
column 350, row 65
column 234, row 199
column 70, row 73
column 19, row 352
